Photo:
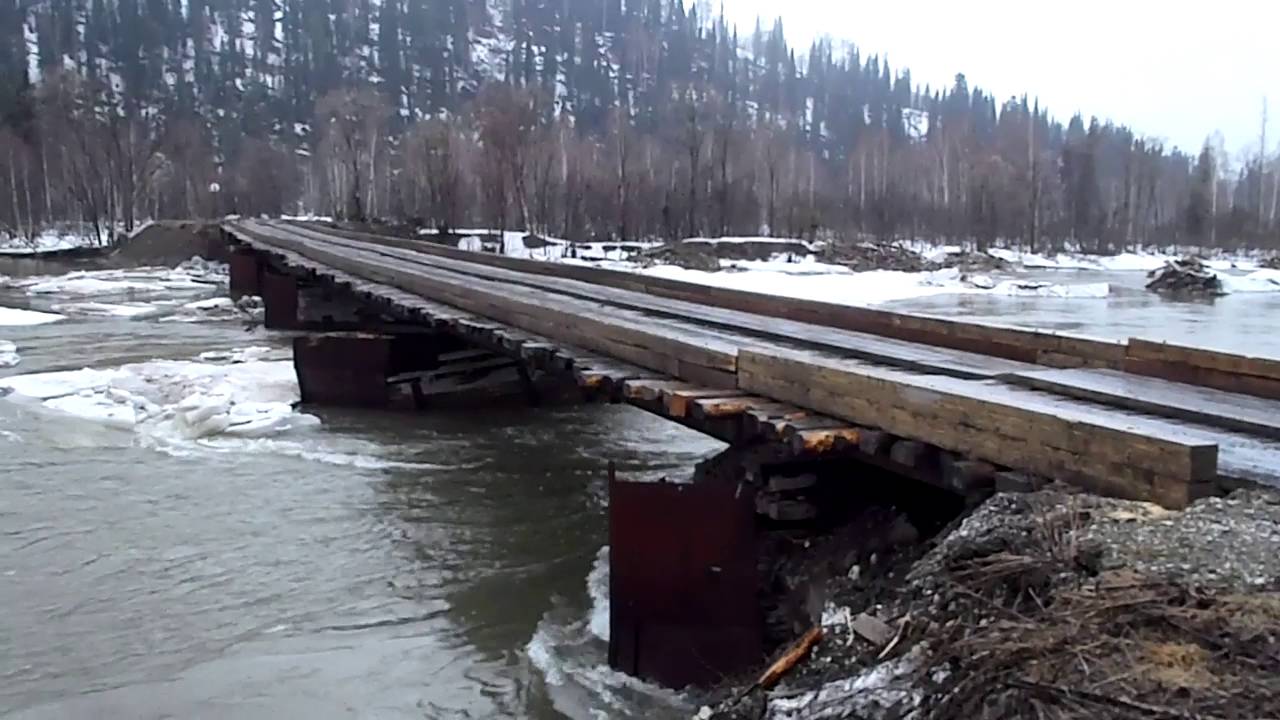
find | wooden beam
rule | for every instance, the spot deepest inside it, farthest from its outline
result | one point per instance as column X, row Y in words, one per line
column 1107, row 451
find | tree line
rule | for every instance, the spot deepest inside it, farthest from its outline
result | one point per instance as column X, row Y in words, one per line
column 584, row 119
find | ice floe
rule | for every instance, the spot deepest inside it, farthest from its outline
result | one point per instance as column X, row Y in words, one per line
column 15, row 317
column 1258, row 281
column 194, row 275
column 102, row 309
column 248, row 308
column 173, row 399
column 8, row 354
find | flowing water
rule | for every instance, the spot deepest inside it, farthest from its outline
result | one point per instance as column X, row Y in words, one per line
column 382, row 565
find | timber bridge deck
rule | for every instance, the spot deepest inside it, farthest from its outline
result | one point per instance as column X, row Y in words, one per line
column 960, row 406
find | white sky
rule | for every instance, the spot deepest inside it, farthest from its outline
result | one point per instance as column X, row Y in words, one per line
column 1176, row 70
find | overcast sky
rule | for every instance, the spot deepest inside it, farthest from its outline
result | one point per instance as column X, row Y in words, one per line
column 1177, row 70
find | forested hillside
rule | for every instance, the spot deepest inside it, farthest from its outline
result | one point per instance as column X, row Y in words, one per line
column 579, row 118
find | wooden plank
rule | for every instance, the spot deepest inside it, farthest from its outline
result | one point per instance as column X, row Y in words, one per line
column 1264, row 367
column 1012, row 427
column 819, row 442
column 678, row 402
column 1012, row 343
column 726, row 407
column 1203, row 367
column 1179, row 401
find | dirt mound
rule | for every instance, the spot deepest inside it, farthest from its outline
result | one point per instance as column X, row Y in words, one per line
column 1272, row 263
column 864, row 256
column 168, row 243
column 706, row 255
column 974, row 262
column 1188, row 276
column 1054, row 605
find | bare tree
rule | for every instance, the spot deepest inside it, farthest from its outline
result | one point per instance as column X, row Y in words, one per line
column 350, row 124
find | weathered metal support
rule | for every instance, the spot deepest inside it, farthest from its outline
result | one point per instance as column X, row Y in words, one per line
column 246, row 273
column 683, row 580
column 344, row 369
column 280, row 296
column 354, row 369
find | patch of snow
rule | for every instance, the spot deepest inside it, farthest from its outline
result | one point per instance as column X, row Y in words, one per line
column 759, row 239
column 8, row 354
column 308, row 217
column 12, row 317
column 256, row 353
column 1123, row 262
column 843, row 288
column 48, row 241
column 875, row 690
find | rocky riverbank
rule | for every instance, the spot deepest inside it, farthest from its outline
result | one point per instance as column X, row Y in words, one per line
column 1051, row 605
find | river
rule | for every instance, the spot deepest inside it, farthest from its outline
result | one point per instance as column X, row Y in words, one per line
column 443, row 565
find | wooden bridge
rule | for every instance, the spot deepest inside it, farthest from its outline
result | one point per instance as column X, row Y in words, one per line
column 962, row 407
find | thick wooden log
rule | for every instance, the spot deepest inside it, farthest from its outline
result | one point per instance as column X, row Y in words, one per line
column 1149, row 460
column 1222, row 371
column 1232, row 411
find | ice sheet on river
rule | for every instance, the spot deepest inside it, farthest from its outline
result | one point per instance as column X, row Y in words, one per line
column 193, row 276
column 225, row 401
column 173, row 400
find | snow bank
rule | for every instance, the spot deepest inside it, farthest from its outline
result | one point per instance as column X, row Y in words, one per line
column 1259, row 281
column 173, row 400
column 13, row 317
column 837, row 284
column 845, row 288
column 307, row 218
column 48, row 241
column 804, row 245
column 8, row 354
column 1124, row 262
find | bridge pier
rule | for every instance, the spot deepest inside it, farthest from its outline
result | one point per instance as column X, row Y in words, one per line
column 245, row 273
column 710, row 578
